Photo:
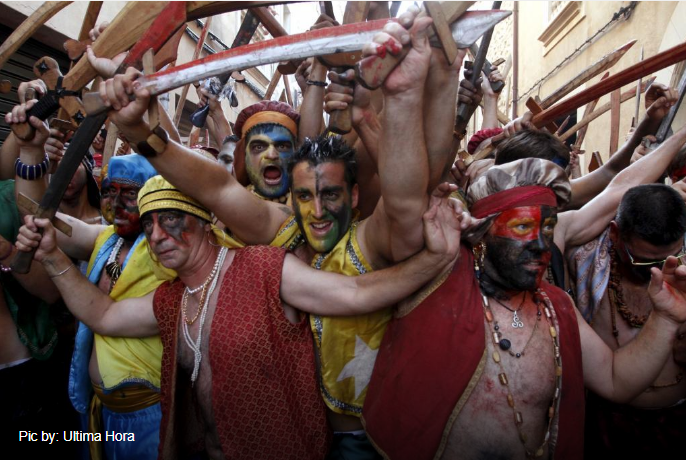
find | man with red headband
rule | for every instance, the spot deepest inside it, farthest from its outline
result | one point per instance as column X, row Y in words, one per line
column 490, row 361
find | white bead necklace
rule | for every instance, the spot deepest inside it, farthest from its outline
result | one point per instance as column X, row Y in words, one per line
column 195, row 345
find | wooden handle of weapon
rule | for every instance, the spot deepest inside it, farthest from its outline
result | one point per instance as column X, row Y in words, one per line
column 341, row 121
column 94, row 105
column 373, row 70
column 22, row 260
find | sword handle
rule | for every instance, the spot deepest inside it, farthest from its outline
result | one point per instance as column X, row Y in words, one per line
column 21, row 263
column 94, row 105
column 341, row 121
column 372, row 71
column 43, row 109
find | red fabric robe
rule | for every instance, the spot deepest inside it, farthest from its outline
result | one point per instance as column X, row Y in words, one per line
column 428, row 357
column 265, row 396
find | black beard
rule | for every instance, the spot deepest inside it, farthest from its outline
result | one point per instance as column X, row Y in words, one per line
column 502, row 268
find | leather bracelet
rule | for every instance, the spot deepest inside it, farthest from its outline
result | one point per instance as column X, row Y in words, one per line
column 155, row 144
column 31, row 172
column 317, row 83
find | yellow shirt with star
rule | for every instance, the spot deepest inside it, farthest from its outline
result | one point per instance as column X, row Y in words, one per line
column 347, row 346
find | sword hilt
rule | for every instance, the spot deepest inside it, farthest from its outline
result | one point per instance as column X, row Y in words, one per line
column 341, row 121
column 372, row 71
column 47, row 105
column 22, row 260
column 94, row 105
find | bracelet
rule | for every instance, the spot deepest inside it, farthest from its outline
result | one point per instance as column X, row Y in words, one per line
column 31, row 172
column 63, row 271
column 317, row 83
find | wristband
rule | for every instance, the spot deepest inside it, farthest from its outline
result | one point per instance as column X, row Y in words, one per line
column 317, row 83
column 155, row 144
column 31, row 172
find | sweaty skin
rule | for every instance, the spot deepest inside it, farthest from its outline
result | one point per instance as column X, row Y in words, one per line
column 518, row 248
column 322, row 203
column 266, row 158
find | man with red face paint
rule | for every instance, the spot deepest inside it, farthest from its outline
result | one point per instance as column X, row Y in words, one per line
column 491, row 361
column 124, row 373
column 649, row 227
column 241, row 383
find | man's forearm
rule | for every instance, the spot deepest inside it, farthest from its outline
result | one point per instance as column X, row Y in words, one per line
column 637, row 364
column 312, row 108
column 88, row 303
column 490, row 113
column 389, row 286
column 221, row 127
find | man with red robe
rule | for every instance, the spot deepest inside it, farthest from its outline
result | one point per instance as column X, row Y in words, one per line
column 490, row 361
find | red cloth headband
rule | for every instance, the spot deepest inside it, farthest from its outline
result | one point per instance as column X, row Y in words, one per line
column 530, row 195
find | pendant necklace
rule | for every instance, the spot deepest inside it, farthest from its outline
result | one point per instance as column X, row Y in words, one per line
column 202, row 306
column 516, row 322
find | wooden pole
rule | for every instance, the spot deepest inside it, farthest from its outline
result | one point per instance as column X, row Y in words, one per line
column 626, row 95
column 615, row 102
column 590, row 107
column 631, row 74
column 272, row 85
column 27, row 28
column 196, row 54
column 287, row 86
column 603, row 64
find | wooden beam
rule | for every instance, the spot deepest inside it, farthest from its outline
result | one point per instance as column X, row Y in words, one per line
column 615, row 102
column 196, row 55
column 590, row 107
column 626, row 95
column 272, row 85
column 287, row 86
column 627, row 76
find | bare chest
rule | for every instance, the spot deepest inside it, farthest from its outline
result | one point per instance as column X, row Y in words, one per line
column 113, row 267
column 487, row 426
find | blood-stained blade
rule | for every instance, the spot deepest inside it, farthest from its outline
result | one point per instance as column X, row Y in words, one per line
column 331, row 40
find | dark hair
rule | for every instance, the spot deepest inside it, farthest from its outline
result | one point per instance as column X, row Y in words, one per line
column 231, row 138
column 532, row 144
column 325, row 149
column 654, row 213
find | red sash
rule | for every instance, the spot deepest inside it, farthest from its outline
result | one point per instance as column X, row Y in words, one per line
column 265, row 397
column 427, row 360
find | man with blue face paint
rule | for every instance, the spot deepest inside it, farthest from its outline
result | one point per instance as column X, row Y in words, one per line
column 268, row 131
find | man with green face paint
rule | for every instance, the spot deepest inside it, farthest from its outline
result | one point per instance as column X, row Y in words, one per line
column 268, row 131
column 325, row 194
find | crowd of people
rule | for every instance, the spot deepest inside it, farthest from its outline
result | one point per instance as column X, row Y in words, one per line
column 297, row 294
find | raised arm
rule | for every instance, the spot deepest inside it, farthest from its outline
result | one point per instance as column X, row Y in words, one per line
column 252, row 220
column 578, row 227
column 659, row 98
column 327, row 293
column 128, row 318
column 394, row 230
column 622, row 375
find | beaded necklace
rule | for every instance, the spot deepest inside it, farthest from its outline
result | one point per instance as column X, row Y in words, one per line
column 113, row 268
column 502, row 376
column 202, row 306
column 203, row 287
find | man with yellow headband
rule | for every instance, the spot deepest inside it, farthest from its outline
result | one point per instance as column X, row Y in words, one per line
column 268, row 131
column 325, row 193
column 238, row 370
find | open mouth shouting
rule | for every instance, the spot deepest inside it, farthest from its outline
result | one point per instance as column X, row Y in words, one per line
column 272, row 175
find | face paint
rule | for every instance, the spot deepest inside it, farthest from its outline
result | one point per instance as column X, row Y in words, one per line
column 266, row 158
column 518, row 247
column 225, row 157
column 323, row 203
column 171, row 235
column 125, row 206
column 106, row 195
